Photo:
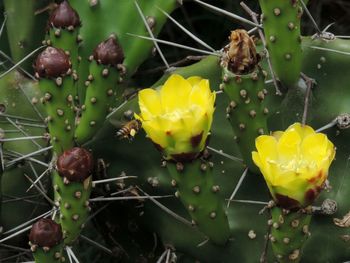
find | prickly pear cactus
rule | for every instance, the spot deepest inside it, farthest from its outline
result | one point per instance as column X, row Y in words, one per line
column 109, row 152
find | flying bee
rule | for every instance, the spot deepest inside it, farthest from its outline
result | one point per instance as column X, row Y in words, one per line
column 129, row 130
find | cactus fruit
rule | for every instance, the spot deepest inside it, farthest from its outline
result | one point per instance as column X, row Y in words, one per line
column 244, row 83
column 75, row 167
column 53, row 69
column 106, row 71
column 45, row 241
column 281, row 21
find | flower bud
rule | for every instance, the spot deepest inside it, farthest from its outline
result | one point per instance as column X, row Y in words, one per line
column 75, row 164
column 45, row 233
column 52, row 63
column 109, row 52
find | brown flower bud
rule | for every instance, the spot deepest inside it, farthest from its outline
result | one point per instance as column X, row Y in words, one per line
column 45, row 233
column 52, row 63
column 109, row 52
column 75, row 164
column 64, row 16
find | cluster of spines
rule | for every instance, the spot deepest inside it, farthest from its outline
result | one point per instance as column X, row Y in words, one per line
column 195, row 187
column 45, row 240
column 106, row 71
column 289, row 231
column 281, row 20
column 73, row 185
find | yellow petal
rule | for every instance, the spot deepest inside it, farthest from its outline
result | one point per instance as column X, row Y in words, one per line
column 257, row 160
column 303, row 130
column 174, row 94
column 149, row 102
column 201, row 95
column 267, row 147
column 154, row 133
column 277, row 134
column 194, row 80
column 314, row 147
column 288, row 145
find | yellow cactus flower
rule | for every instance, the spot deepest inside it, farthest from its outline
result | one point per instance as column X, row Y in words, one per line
column 178, row 116
column 294, row 164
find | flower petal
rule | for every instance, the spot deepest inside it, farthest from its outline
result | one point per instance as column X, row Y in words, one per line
column 149, row 102
column 267, row 148
column 174, row 94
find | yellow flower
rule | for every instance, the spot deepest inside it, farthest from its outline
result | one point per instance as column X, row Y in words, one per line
column 178, row 116
column 294, row 164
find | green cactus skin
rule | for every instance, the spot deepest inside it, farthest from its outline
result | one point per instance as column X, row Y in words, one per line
column 100, row 98
column 53, row 255
column 58, row 101
column 246, row 111
column 281, row 20
column 25, row 30
column 74, row 206
column 196, row 189
column 290, row 230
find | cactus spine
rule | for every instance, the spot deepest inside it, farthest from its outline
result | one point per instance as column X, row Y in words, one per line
column 281, row 20
column 106, row 71
column 46, row 241
column 197, row 191
column 290, row 230
column 243, row 82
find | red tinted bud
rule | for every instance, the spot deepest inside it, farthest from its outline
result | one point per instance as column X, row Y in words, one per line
column 64, row 16
column 109, row 52
column 75, row 164
column 52, row 63
column 45, row 233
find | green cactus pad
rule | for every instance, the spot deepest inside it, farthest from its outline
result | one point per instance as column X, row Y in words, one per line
column 100, row 97
column 74, row 206
column 290, row 230
column 246, row 111
column 58, row 101
column 281, row 20
column 53, row 255
column 196, row 189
